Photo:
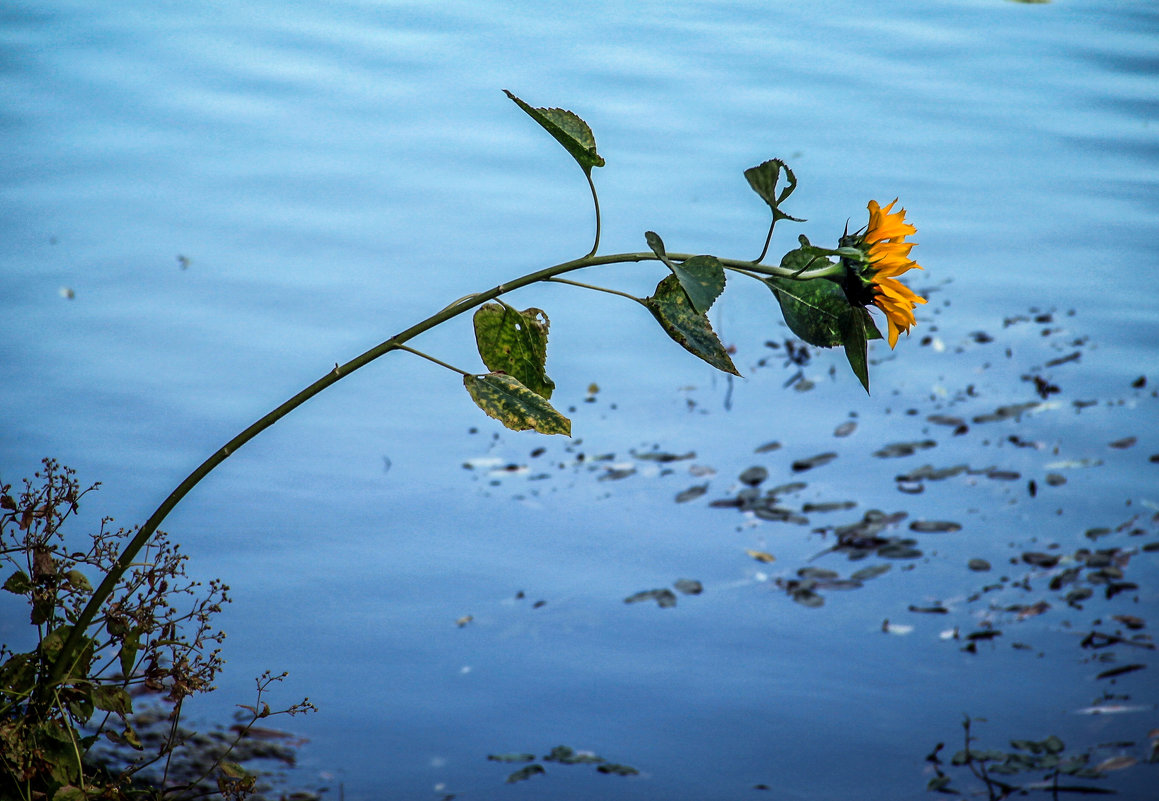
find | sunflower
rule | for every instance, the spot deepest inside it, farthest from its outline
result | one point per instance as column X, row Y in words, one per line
column 884, row 256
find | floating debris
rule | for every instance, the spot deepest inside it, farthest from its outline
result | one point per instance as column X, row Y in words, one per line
column 511, row 758
column 761, row 556
column 692, row 493
column 664, row 597
column 1120, row 671
column 845, row 429
column 802, row 465
column 754, row 476
column 525, row 773
column 934, row 526
column 978, row 565
column 688, row 586
column 768, row 447
column 899, row 449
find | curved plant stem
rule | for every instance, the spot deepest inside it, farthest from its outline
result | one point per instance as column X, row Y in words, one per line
column 594, row 288
column 768, row 239
column 596, row 201
column 67, row 656
column 430, row 358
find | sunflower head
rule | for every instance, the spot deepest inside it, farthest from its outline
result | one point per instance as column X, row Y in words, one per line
column 872, row 278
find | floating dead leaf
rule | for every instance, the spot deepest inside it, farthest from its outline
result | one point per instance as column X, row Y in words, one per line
column 688, row 586
column 936, row 609
column 898, row 550
column 833, row 506
column 1119, row 671
column 1055, row 480
column 801, row 465
column 899, row 449
column 768, row 447
column 1003, row 475
column 807, row 597
column 943, row 420
column 1130, row 621
column 664, row 598
column 754, row 476
column 934, row 526
column 1124, row 443
column 931, row 473
column 616, row 473
column 845, row 429
column 1039, row 559
column 761, row 556
column 566, row 755
column 1033, row 610
column 873, row 571
column 785, row 489
column 464, row 620
column 512, row 758
column 692, row 493
column 816, row 573
column 525, row 773
column 978, row 565
column 614, row 769
column 1013, row 411
column 662, row 457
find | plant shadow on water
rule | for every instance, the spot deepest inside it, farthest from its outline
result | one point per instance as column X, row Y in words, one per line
column 1063, row 570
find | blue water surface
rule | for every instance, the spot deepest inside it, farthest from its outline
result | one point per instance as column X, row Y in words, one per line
column 206, row 206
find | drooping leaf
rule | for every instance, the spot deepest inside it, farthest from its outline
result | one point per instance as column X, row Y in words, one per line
column 569, row 130
column 692, row 331
column 129, row 647
column 113, row 699
column 18, row 583
column 763, row 178
column 702, row 277
column 514, row 405
column 515, row 342
column 853, row 338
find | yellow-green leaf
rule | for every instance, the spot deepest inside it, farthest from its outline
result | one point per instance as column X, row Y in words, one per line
column 515, row 342
column 569, row 130
column 692, row 331
column 514, row 405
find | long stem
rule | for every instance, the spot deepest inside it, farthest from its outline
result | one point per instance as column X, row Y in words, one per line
column 594, row 288
column 768, row 239
column 68, row 652
column 430, row 358
column 596, row 201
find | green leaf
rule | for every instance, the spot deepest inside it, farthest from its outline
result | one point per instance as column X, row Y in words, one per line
column 18, row 583
column 692, row 331
column 112, row 698
column 515, row 342
column 569, row 130
column 763, row 178
column 514, row 405
column 853, row 338
column 702, row 277
column 815, row 309
column 129, row 647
